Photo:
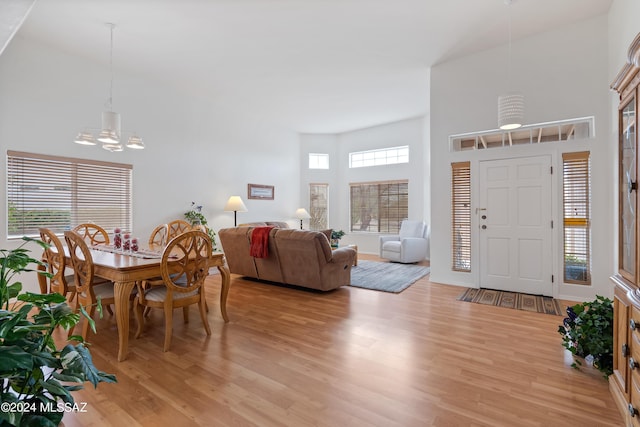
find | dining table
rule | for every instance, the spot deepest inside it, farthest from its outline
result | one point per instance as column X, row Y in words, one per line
column 125, row 268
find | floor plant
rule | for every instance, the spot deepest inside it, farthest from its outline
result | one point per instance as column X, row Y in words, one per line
column 587, row 333
column 36, row 377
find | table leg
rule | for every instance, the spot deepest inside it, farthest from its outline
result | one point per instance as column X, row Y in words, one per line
column 122, row 293
column 226, row 284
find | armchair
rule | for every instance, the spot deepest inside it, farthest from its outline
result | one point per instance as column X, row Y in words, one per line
column 411, row 245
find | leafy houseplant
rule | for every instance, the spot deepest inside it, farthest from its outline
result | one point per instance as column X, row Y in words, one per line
column 588, row 331
column 195, row 217
column 336, row 235
column 36, row 378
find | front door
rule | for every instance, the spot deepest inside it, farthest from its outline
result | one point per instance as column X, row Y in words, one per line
column 515, row 225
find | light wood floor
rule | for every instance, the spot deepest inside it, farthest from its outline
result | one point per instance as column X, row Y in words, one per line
column 351, row 357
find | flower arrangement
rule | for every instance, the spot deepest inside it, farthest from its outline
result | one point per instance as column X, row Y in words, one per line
column 195, row 217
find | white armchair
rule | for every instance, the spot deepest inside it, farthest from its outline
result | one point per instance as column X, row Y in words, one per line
column 411, row 245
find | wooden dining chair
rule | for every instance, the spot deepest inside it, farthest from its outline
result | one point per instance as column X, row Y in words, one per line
column 87, row 292
column 184, row 267
column 176, row 227
column 54, row 258
column 93, row 234
column 158, row 237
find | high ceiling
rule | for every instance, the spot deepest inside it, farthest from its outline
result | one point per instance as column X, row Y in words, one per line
column 315, row 66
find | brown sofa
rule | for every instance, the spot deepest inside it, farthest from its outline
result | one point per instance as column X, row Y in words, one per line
column 296, row 257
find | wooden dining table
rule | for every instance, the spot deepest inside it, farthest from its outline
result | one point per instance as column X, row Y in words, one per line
column 125, row 270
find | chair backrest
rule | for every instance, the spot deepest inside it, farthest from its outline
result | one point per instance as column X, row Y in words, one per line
column 158, row 236
column 82, row 263
column 53, row 256
column 177, row 227
column 412, row 228
column 93, row 234
column 185, row 261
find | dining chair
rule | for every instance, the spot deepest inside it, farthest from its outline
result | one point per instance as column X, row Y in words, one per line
column 184, row 266
column 93, row 234
column 87, row 292
column 176, row 227
column 158, row 237
column 53, row 257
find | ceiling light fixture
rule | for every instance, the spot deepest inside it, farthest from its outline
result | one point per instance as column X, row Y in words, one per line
column 110, row 133
column 511, row 105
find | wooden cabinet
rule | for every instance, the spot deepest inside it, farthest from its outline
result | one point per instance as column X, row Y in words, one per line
column 624, row 383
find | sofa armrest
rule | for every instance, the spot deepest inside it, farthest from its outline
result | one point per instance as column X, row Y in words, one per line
column 414, row 245
column 343, row 255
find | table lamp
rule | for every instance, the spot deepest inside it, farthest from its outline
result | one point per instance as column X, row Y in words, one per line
column 302, row 214
column 235, row 205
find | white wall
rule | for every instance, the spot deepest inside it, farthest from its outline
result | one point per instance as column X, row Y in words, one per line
column 563, row 74
column 195, row 150
column 409, row 132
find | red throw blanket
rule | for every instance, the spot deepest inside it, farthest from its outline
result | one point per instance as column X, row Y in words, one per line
column 260, row 242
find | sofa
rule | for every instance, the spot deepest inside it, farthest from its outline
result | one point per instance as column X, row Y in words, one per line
column 295, row 257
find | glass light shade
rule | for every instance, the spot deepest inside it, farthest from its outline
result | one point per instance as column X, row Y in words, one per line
column 235, row 204
column 135, row 142
column 107, row 136
column 510, row 111
column 113, row 147
column 302, row 214
column 85, row 138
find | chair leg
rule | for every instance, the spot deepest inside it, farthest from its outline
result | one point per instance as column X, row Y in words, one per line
column 168, row 326
column 138, row 308
column 109, row 309
column 185, row 313
column 76, row 309
column 203, row 315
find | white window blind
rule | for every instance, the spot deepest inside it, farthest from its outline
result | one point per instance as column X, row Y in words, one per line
column 577, row 222
column 461, row 216
column 61, row 192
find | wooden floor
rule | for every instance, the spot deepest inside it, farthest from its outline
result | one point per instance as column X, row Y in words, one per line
column 351, row 357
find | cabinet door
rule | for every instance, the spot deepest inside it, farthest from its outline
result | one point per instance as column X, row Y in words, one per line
column 628, row 192
column 621, row 348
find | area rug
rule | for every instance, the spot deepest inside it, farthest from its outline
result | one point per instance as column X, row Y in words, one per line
column 386, row 276
column 526, row 302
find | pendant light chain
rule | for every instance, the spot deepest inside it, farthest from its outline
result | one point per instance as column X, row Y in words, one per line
column 111, row 69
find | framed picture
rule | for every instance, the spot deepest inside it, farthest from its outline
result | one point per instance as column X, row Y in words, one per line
column 261, row 192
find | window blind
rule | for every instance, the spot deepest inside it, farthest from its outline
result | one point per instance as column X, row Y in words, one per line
column 461, row 216
column 577, row 222
column 319, row 206
column 61, row 192
column 379, row 207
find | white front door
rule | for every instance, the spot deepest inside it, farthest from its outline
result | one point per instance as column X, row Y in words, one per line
column 515, row 225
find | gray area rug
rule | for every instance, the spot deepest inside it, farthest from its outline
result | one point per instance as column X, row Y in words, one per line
column 386, row 276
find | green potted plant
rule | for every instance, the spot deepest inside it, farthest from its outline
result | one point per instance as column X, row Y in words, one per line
column 37, row 378
column 587, row 333
column 336, row 235
column 195, row 217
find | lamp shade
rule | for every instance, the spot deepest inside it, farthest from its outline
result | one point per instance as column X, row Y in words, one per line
column 510, row 111
column 235, row 204
column 302, row 214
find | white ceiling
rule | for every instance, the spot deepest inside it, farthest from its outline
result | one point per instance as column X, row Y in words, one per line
column 316, row 66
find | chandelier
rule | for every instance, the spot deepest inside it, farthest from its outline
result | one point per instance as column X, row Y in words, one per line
column 110, row 133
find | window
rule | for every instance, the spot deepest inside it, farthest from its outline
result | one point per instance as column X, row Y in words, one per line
column 384, row 156
column 379, row 207
column 461, row 216
column 576, row 202
column 319, row 206
column 60, row 193
column 318, row 161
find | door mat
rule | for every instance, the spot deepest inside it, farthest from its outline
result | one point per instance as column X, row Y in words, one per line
column 526, row 302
